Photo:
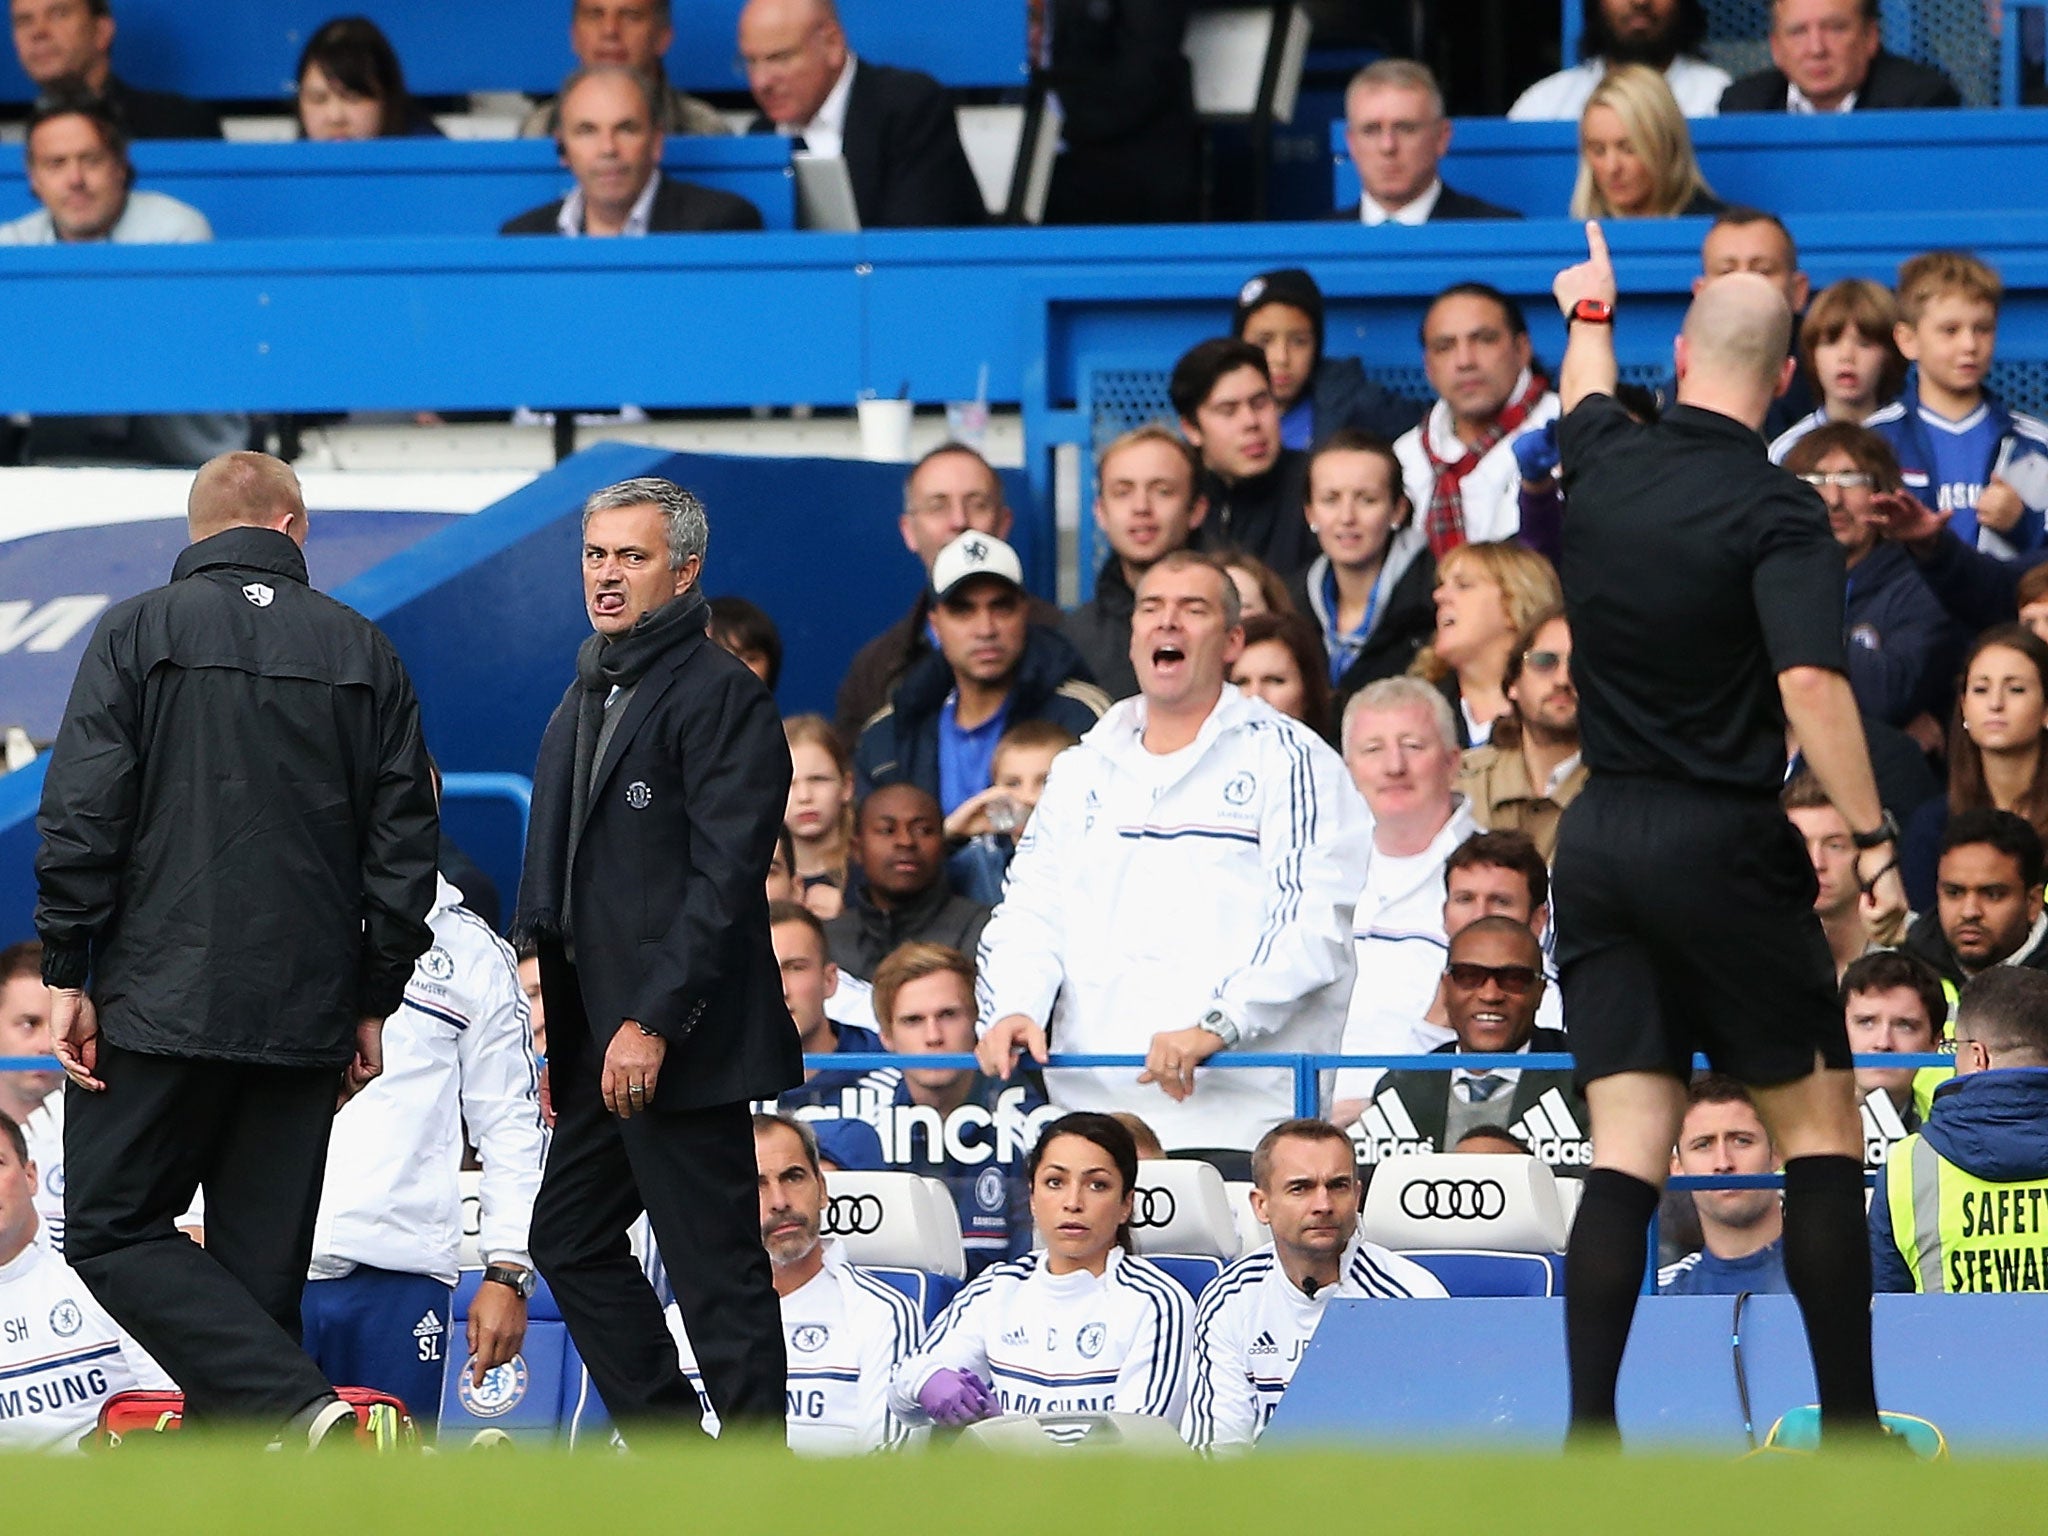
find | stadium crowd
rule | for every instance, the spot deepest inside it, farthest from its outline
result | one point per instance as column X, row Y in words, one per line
column 1287, row 782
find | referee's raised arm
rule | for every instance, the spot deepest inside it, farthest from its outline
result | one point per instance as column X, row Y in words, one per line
column 1586, row 295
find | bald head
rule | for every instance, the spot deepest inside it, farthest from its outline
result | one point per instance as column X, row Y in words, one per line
column 1736, row 341
column 245, row 490
column 793, row 52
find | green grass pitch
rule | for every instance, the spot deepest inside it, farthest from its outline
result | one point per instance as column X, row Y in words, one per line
column 211, row 1489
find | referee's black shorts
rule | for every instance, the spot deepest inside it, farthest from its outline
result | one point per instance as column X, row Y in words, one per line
column 1685, row 923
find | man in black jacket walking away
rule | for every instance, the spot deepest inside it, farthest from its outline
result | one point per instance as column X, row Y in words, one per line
column 237, row 862
column 657, row 800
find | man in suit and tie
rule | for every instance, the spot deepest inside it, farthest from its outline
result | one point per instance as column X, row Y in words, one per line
column 610, row 141
column 1395, row 128
column 658, row 795
column 1827, row 56
column 894, row 127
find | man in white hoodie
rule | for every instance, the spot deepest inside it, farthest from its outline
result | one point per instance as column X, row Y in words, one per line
column 1185, row 887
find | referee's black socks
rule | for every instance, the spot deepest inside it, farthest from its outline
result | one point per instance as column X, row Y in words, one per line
column 1603, row 1275
column 1827, row 1264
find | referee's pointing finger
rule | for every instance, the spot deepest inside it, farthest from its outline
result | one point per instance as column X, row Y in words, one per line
column 1596, row 243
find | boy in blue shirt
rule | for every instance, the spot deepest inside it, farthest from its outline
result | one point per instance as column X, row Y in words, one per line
column 1959, row 449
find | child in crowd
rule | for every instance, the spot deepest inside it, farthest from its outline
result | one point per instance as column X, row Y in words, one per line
column 1959, row 449
column 1850, row 357
column 988, row 825
column 1281, row 313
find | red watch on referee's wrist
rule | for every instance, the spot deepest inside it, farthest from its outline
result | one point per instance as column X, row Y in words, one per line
column 1591, row 311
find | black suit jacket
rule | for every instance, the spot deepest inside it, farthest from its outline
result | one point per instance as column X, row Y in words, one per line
column 1450, row 204
column 159, row 114
column 679, row 206
column 1892, row 83
column 671, row 918
column 903, row 152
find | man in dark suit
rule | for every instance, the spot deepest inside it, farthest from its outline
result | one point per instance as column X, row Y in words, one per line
column 894, row 127
column 1395, row 127
column 658, row 796
column 609, row 140
column 1827, row 56
column 61, row 41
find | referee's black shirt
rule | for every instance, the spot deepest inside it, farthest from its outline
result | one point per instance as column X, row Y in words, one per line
column 1695, row 571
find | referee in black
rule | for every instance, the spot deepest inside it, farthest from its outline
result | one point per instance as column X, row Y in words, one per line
column 1705, row 596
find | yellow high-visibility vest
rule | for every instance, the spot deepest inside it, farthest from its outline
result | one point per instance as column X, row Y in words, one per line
column 1960, row 1233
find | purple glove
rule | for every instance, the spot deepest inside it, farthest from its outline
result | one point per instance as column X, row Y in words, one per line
column 1536, row 452
column 957, row 1398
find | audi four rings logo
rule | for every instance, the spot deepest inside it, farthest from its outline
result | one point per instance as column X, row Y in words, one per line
column 1466, row 1199
column 853, row 1216
column 1151, row 1207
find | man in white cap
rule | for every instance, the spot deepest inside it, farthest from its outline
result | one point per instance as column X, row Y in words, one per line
column 993, row 669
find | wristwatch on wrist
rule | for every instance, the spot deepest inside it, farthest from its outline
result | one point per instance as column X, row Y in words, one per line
column 1886, row 831
column 1591, row 312
column 521, row 1280
column 1219, row 1024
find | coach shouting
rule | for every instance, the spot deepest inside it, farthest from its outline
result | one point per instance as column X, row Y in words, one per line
column 1705, row 600
column 657, row 798
column 238, row 841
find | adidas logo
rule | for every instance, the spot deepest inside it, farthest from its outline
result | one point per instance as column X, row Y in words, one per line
column 1387, row 1130
column 1882, row 1128
column 1263, row 1345
column 1553, row 1132
column 1015, row 1338
column 428, row 1327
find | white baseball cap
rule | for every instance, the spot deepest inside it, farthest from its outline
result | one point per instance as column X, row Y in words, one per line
column 971, row 555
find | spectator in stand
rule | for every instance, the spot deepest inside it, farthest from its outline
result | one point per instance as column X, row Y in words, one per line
column 1143, row 1137
column 1458, row 466
column 809, row 978
column 1492, row 985
column 1997, row 750
column 1960, row 449
column 1661, row 35
column 1130, row 144
column 1743, row 1229
column 68, row 45
column 1079, row 1326
column 984, row 831
column 1097, row 942
column 1891, row 1002
column 845, row 1331
column 993, row 668
column 1745, row 239
column 950, row 490
column 1259, row 1316
column 1828, row 56
column 1400, row 745
column 24, row 1029
column 893, row 127
column 1223, row 394
column 1528, row 771
column 1281, row 313
column 61, row 1355
column 1830, row 845
column 1635, row 155
column 1988, row 906
column 1494, row 874
column 351, row 86
column 781, row 882
column 628, row 34
column 1397, row 135
column 1848, row 357
column 1282, row 663
column 1260, row 589
column 1147, row 506
column 608, row 138
column 899, row 848
column 79, row 170
column 1959, row 1206
column 743, row 630
column 1369, row 590
column 458, row 1068
column 820, row 815
column 1487, row 596
column 2030, row 599
column 1900, row 640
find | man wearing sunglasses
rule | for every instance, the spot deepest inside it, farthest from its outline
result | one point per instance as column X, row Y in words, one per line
column 1491, row 990
column 1530, row 770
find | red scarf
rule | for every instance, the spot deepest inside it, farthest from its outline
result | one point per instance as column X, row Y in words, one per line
column 1445, row 524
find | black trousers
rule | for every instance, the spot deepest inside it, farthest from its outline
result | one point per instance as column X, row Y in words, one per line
column 693, row 1172
column 223, row 1320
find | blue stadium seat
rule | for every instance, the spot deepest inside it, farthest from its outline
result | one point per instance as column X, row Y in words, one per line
column 1193, row 1270
column 1475, row 1272
column 542, row 1395
column 929, row 1291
